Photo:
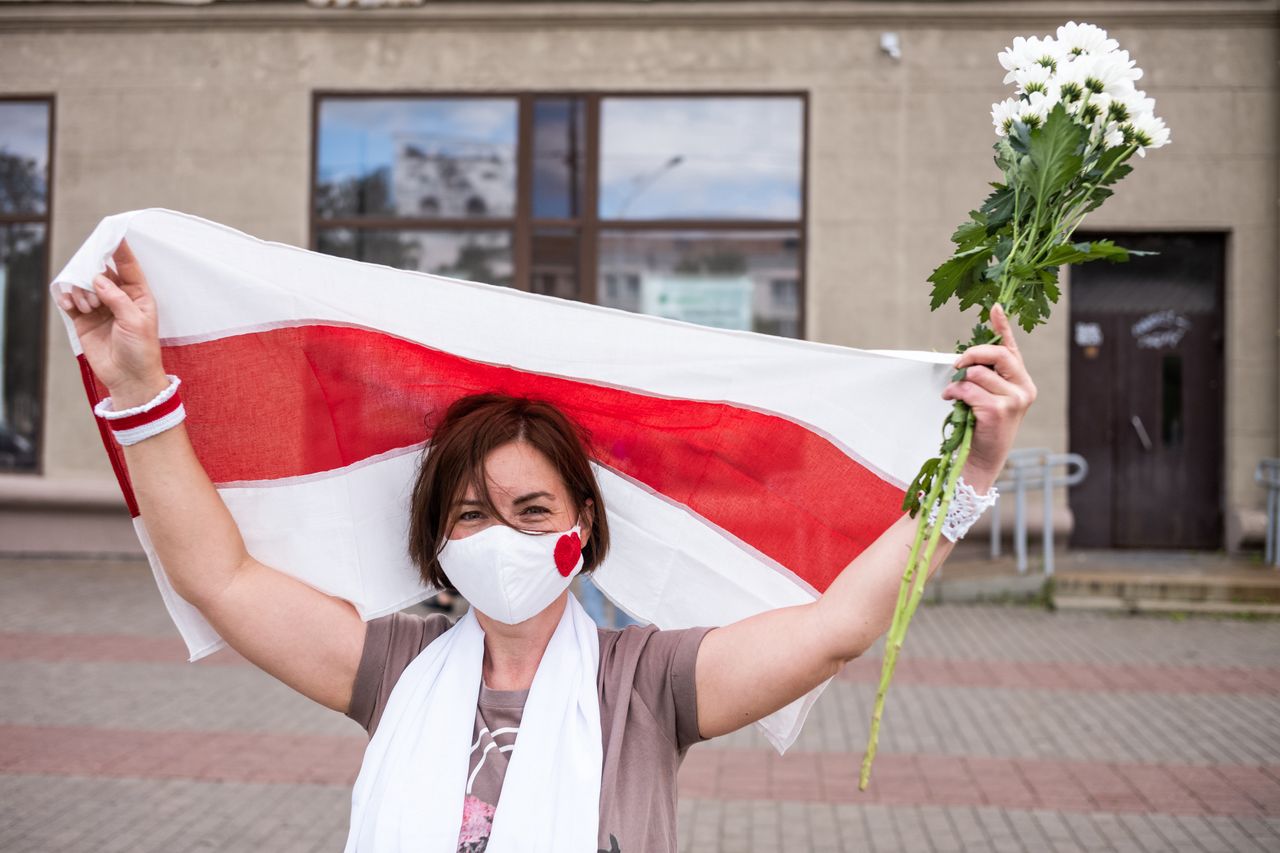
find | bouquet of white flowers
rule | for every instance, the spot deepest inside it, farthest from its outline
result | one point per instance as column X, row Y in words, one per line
column 1064, row 140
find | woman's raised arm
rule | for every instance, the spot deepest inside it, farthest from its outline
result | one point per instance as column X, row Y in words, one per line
column 307, row 639
column 751, row 668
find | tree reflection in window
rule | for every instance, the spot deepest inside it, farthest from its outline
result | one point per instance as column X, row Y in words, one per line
column 24, row 202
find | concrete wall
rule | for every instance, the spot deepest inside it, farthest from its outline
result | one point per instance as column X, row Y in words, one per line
column 208, row 110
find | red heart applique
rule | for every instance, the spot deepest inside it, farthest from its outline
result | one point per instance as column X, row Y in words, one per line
column 568, row 548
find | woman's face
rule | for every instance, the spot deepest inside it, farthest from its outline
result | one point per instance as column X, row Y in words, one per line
column 526, row 488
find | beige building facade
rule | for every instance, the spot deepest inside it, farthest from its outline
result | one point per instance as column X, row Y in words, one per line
column 211, row 109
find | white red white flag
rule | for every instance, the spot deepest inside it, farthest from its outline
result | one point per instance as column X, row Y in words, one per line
column 740, row 471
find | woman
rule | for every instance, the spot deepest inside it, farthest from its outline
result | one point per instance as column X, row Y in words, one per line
column 506, row 510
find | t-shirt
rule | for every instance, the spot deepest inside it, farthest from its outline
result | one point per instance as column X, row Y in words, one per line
column 648, row 720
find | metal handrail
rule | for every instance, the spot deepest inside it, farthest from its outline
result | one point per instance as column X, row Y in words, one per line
column 1033, row 468
column 1267, row 475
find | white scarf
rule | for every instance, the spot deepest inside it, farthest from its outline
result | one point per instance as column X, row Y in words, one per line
column 410, row 790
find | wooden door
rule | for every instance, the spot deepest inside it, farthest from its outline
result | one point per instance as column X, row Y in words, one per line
column 1146, row 393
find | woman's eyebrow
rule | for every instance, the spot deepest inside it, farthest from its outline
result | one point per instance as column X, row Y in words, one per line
column 519, row 500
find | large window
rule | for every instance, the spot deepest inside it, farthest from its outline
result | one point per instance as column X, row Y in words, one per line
column 25, row 134
column 686, row 206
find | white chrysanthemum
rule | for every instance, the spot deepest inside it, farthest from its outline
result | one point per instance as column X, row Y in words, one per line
column 1076, row 39
column 1003, row 115
column 1113, row 137
column 1090, row 110
column 1148, row 131
column 1026, row 52
column 1031, row 110
column 1112, row 73
column 1127, row 105
column 1034, row 78
column 1035, row 108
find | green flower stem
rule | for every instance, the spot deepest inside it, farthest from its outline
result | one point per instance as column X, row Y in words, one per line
column 890, row 655
column 953, row 476
column 914, row 578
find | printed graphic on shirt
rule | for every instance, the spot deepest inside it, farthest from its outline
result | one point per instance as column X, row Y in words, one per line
column 490, row 752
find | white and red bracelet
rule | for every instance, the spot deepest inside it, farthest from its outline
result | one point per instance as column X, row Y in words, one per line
column 161, row 412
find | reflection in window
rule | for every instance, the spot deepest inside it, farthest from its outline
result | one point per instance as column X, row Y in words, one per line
column 559, row 143
column 24, row 189
column 555, row 262
column 701, row 158
column 483, row 256
column 24, row 157
column 412, row 157
column 722, row 279
column 699, row 212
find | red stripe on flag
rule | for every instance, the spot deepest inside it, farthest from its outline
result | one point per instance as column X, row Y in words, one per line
column 95, row 391
column 305, row 399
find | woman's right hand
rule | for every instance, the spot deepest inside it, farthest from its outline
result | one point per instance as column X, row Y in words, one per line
column 119, row 330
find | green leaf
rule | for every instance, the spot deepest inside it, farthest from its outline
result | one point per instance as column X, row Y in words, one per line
column 1096, row 198
column 1007, row 158
column 1075, row 253
column 1108, row 160
column 973, row 232
column 922, row 482
column 1049, row 281
column 1020, row 137
column 1055, row 154
column 959, row 271
column 998, row 208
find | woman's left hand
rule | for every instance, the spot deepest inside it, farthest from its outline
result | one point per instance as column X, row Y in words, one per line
column 999, row 390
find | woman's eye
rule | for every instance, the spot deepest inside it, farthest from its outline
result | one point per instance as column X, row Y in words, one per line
column 470, row 515
column 538, row 508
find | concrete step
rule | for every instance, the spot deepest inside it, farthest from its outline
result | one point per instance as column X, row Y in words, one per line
column 1213, row 590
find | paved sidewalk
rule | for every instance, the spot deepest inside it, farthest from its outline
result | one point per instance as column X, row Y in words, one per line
column 1008, row 729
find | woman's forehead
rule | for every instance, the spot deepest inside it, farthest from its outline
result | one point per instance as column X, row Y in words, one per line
column 518, row 470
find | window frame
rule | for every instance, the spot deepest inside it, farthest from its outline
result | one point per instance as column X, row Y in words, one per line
column 588, row 226
column 42, row 379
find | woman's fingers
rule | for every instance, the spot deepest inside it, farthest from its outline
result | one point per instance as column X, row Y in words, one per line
column 973, row 395
column 1005, row 357
column 1003, row 360
column 117, row 300
column 987, row 378
column 1000, row 322
column 997, row 368
column 128, row 272
column 79, row 297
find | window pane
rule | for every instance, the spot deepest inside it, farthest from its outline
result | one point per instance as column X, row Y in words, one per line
column 24, row 156
column 559, row 134
column 445, row 157
column 700, row 158
column 731, row 280
column 22, row 292
column 555, row 262
column 483, row 256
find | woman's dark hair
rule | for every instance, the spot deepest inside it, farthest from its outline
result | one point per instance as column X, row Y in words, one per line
column 471, row 428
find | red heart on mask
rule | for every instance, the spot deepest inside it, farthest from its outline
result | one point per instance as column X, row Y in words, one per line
column 568, row 549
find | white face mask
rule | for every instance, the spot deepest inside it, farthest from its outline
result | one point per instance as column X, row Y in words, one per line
column 512, row 576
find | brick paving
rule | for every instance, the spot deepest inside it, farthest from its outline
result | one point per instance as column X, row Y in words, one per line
column 1008, row 729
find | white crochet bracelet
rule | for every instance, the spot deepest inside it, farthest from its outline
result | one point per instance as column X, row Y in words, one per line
column 163, row 411
column 966, row 507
